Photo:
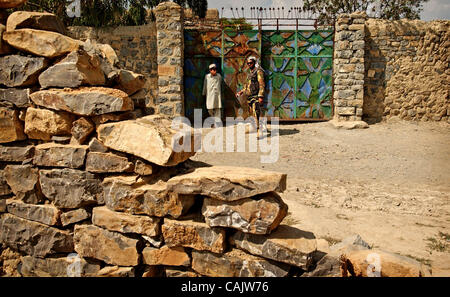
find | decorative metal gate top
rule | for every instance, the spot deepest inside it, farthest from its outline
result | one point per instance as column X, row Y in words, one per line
column 297, row 63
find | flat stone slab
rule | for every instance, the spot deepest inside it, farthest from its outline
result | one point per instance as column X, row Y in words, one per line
column 16, row 153
column 42, row 213
column 137, row 196
column 175, row 256
column 35, row 20
column 235, row 263
column 153, row 134
column 69, row 266
column 60, row 155
column 32, row 238
column 70, row 188
column 110, row 247
column 41, row 43
column 116, row 271
column 258, row 215
column 87, row 101
column 195, row 235
column 124, row 222
column 18, row 97
column 286, row 244
column 20, row 71
column 228, row 183
column 349, row 125
column 74, row 216
column 43, row 123
column 107, row 162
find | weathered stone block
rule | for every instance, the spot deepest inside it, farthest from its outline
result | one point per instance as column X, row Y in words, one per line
column 45, row 214
column 236, row 263
column 35, row 20
column 70, row 188
column 258, row 215
column 125, row 223
column 228, row 183
column 110, row 247
column 41, row 43
column 69, row 266
column 5, row 49
column 138, row 196
column 17, row 153
column 143, row 168
column 116, row 271
column 107, row 162
column 20, row 71
column 33, row 238
column 97, row 146
column 175, row 256
column 154, row 135
column 43, row 123
column 18, row 97
column 130, row 82
column 345, row 111
column 81, row 129
column 195, row 235
column 23, row 180
column 74, row 216
column 84, row 101
column 11, row 128
column 59, row 155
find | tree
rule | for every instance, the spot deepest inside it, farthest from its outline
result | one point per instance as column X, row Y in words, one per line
column 99, row 13
column 328, row 10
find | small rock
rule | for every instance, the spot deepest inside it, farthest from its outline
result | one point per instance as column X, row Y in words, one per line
column 16, row 153
column 116, row 271
column 143, row 168
column 20, row 71
column 18, row 97
column 43, row 123
column 97, row 146
column 110, row 247
column 130, row 82
column 81, row 129
column 349, row 125
column 179, row 272
column 192, row 234
column 107, row 162
column 45, row 214
column 125, row 223
column 58, row 267
column 175, row 256
column 11, row 128
column 74, row 216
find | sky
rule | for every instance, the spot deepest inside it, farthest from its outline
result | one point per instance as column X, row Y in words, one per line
column 434, row 9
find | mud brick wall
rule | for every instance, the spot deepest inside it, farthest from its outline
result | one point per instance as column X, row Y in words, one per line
column 349, row 67
column 136, row 49
column 407, row 72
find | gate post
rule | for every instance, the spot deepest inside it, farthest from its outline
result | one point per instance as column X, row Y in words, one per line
column 349, row 67
column 170, row 41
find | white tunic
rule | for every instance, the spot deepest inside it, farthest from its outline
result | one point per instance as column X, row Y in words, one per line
column 212, row 88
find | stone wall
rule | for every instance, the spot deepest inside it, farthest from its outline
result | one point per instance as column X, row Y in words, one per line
column 136, row 49
column 407, row 72
column 349, row 67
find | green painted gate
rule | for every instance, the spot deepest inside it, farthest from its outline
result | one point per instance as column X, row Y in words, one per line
column 298, row 66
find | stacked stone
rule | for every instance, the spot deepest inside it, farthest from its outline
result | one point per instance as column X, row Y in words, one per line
column 170, row 26
column 349, row 66
column 407, row 73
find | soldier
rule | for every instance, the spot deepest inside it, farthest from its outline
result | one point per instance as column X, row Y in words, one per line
column 254, row 89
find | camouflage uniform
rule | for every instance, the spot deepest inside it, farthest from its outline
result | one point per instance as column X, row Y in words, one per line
column 254, row 89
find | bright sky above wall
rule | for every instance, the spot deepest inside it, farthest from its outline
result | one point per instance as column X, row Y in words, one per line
column 434, row 9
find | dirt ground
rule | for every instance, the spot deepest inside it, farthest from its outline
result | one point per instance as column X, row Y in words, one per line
column 389, row 183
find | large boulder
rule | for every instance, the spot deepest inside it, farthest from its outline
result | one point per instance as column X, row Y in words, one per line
column 236, row 263
column 365, row 263
column 11, row 3
column 195, row 235
column 139, row 196
column 84, row 101
column 110, row 247
column 41, row 43
column 107, row 162
column 125, row 223
column 11, row 128
column 35, row 20
column 59, row 155
column 259, row 215
column 20, row 71
column 150, row 138
column 228, row 183
column 43, row 123
column 286, row 244
column 32, row 238
column 69, row 266
column 45, row 214
column 17, row 97
column 77, row 69
column 70, row 188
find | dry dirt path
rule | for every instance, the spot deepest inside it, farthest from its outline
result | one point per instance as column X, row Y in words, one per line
column 389, row 183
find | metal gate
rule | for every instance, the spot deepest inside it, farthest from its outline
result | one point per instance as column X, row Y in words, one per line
column 297, row 63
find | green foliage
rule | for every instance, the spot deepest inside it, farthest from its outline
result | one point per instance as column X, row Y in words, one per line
column 240, row 24
column 328, row 10
column 99, row 13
